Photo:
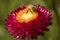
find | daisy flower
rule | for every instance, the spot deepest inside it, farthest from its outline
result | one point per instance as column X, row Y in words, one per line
column 28, row 21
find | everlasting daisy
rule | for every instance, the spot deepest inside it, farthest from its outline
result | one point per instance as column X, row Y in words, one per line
column 28, row 21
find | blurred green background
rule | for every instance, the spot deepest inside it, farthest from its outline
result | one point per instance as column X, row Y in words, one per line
column 7, row 6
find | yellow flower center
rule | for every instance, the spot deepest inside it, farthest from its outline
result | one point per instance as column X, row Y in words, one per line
column 26, row 15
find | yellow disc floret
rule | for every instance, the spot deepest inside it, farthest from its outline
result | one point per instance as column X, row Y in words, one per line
column 26, row 15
